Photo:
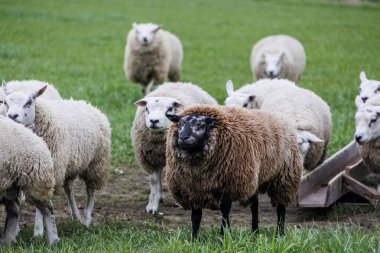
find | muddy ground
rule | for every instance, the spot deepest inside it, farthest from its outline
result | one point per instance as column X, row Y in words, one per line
column 125, row 196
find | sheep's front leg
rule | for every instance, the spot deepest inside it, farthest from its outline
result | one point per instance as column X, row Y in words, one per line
column 155, row 192
column 87, row 217
column 12, row 208
column 49, row 219
column 255, row 213
column 225, row 208
column 196, row 217
column 38, row 224
column 68, row 186
column 281, row 210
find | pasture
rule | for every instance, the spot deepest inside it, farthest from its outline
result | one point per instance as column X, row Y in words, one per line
column 79, row 47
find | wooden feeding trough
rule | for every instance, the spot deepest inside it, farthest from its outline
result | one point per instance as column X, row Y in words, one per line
column 335, row 177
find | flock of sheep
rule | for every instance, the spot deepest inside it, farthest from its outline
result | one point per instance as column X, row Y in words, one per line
column 269, row 133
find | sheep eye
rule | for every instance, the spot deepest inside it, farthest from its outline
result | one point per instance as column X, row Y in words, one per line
column 245, row 105
column 28, row 104
column 146, row 109
column 170, row 109
column 372, row 121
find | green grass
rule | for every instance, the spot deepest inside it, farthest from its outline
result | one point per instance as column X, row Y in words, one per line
column 79, row 47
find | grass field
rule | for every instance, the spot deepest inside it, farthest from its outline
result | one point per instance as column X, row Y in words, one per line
column 79, row 47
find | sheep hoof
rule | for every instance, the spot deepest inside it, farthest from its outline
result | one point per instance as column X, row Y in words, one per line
column 53, row 241
column 4, row 242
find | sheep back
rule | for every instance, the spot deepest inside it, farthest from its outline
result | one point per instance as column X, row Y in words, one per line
column 25, row 162
column 78, row 136
column 31, row 85
column 248, row 151
column 149, row 146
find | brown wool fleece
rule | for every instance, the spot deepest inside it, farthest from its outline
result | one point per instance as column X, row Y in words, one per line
column 248, row 151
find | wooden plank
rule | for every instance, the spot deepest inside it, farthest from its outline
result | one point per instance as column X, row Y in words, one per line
column 335, row 189
column 315, row 199
column 358, row 170
column 323, row 173
column 351, row 184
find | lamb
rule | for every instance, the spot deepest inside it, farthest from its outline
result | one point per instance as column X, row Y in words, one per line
column 251, row 96
column 152, row 56
column 78, row 136
column 368, row 88
column 303, row 109
column 25, row 165
column 216, row 155
column 367, row 133
column 148, row 132
column 278, row 56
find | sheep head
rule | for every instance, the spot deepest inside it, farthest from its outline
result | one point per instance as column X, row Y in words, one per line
column 368, row 88
column 193, row 132
column 367, row 124
column 240, row 100
column 145, row 33
column 21, row 106
column 273, row 64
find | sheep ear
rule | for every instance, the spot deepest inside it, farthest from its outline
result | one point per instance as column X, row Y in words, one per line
column 156, row 29
column 5, row 88
column 363, row 77
column 173, row 118
column 177, row 104
column 140, row 102
column 281, row 56
column 211, row 121
column 39, row 92
column 358, row 102
column 311, row 137
column 230, row 88
column 134, row 25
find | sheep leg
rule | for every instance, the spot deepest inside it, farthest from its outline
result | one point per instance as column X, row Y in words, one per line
column 155, row 194
column 281, row 210
column 38, row 224
column 225, row 208
column 196, row 217
column 68, row 186
column 90, row 205
column 255, row 214
column 378, row 187
column 13, row 210
column 149, row 86
column 160, row 187
column 49, row 219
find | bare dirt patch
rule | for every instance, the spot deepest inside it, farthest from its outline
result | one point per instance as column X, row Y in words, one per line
column 125, row 197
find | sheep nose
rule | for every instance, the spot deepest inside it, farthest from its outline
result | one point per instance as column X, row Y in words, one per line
column 358, row 138
column 271, row 73
column 154, row 121
column 13, row 116
column 364, row 99
column 145, row 39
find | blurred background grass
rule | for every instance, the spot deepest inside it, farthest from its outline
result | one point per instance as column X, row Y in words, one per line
column 79, row 47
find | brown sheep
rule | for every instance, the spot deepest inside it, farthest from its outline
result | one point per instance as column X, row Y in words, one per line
column 216, row 155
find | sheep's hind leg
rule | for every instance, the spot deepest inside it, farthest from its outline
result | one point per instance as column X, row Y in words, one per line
column 38, row 224
column 281, row 210
column 225, row 208
column 12, row 208
column 196, row 217
column 87, row 217
column 68, row 186
column 255, row 214
column 49, row 219
column 155, row 194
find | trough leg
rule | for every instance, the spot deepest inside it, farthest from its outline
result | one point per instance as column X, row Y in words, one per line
column 281, row 210
column 255, row 214
column 196, row 217
column 12, row 208
column 225, row 208
column 68, row 186
column 87, row 216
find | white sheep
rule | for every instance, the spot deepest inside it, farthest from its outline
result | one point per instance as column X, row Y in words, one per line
column 309, row 115
column 278, row 56
column 148, row 132
column 251, row 96
column 25, row 165
column 367, row 133
column 368, row 88
column 78, row 136
column 219, row 154
column 152, row 56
